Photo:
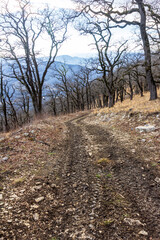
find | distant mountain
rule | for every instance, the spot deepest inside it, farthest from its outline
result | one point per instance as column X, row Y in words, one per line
column 50, row 77
column 71, row 64
column 71, row 60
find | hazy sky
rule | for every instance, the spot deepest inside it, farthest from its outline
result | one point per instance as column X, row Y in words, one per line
column 75, row 45
column 55, row 3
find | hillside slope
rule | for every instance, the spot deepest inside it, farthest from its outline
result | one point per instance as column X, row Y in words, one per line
column 90, row 175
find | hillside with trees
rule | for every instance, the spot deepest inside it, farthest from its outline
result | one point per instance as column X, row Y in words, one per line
column 80, row 137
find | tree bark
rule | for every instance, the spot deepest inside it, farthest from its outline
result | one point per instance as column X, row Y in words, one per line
column 147, row 51
column 130, row 86
column 4, row 106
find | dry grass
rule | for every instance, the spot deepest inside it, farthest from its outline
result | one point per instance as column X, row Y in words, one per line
column 138, row 104
column 103, row 161
column 18, row 181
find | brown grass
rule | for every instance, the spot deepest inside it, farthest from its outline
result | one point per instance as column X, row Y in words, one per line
column 103, row 161
column 138, row 104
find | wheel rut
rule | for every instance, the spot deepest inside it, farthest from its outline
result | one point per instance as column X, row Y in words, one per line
column 80, row 190
column 106, row 192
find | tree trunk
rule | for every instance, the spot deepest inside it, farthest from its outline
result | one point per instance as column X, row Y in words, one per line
column 140, row 85
column 131, row 87
column 40, row 101
column 147, row 51
column 111, row 100
column 105, row 100
column 122, row 94
column 5, row 116
column 87, row 98
column 68, row 105
column 35, row 105
column 3, row 101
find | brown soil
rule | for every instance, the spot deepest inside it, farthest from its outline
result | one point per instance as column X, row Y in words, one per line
column 97, row 182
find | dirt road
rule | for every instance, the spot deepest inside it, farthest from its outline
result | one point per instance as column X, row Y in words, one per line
column 107, row 192
column 97, row 189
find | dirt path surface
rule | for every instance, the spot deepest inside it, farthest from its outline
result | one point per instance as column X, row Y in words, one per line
column 93, row 188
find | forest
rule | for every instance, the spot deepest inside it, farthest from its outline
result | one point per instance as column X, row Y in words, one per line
column 119, row 70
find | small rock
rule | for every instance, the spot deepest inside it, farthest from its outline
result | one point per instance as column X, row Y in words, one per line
column 1, row 197
column 14, row 196
column 91, row 226
column 22, row 190
column 38, row 187
column 131, row 221
column 144, row 233
column 38, row 183
column 17, row 137
column 4, row 159
column 53, row 185
column 26, row 134
column 9, row 208
column 9, row 221
column 146, row 128
column 39, row 199
column 49, row 196
column 26, row 224
column 90, row 154
column 34, row 206
column 112, row 114
column 36, row 216
column 2, row 139
column 143, row 140
column 74, row 185
column 157, row 179
column 103, row 118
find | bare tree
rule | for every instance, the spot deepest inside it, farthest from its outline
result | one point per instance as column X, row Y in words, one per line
column 10, row 100
column 81, row 85
column 3, row 100
column 62, row 83
column 153, row 28
column 108, row 60
column 53, row 94
column 23, row 102
column 21, row 32
column 120, row 19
